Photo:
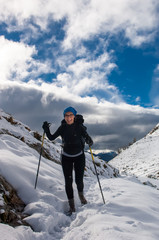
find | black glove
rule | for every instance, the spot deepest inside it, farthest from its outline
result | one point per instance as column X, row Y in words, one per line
column 89, row 141
column 45, row 126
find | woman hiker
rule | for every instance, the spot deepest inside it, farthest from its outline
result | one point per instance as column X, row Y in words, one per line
column 73, row 134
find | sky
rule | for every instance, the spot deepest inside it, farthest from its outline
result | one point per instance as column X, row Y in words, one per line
column 101, row 57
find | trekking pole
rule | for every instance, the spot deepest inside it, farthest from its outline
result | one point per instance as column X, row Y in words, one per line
column 97, row 174
column 39, row 159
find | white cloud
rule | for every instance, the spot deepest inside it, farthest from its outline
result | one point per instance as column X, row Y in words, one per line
column 17, row 62
column 86, row 18
column 86, row 75
column 136, row 18
column 15, row 59
column 138, row 99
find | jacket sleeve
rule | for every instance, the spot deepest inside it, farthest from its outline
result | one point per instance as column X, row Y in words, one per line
column 52, row 137
column 87, row 138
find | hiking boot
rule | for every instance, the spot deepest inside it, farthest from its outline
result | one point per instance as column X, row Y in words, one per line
column 72, row 205
column 82, row 198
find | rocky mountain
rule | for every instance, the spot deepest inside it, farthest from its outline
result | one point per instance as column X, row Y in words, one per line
column 11, row 206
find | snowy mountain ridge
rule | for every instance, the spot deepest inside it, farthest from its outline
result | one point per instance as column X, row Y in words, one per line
column 154, row 131
column 142, row 158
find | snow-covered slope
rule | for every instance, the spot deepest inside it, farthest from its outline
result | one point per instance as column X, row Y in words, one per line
column 124, row 216
column 141, row 158
column 51, row 150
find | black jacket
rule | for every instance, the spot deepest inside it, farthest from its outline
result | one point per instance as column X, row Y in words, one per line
column 73, row 137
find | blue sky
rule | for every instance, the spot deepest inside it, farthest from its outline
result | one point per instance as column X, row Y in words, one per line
column 135, row 73
column 102, row 57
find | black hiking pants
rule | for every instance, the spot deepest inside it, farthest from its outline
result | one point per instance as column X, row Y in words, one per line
column 78, row 164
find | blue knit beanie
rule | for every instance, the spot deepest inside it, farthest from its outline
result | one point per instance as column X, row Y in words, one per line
column 70, row 109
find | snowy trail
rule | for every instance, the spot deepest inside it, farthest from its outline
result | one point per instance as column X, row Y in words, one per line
column 131, row 212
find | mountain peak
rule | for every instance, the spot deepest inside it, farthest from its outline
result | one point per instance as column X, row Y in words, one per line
column 155, row 131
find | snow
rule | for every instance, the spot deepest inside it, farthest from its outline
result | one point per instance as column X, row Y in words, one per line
column 141, row 159
column 131, row 210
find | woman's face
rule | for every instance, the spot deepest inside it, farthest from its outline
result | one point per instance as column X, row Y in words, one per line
column 69, row 118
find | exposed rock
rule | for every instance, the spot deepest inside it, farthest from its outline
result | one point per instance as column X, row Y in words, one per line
column 11, row 206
